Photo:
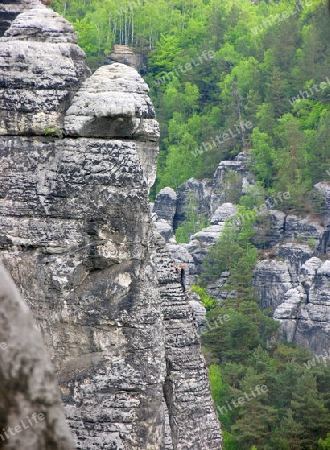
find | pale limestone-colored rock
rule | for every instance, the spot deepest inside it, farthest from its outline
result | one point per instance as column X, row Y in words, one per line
column 272, row 280
column 223, row 212
column 96, row 299
column 77, row 236
column 193, row 195
column 304, row 228
column 230, row 181
column 165, row 205
column 40, row 70
column 181, row 255
column 269, row 228
column 164, row 229
column 295, row 254
column 287, row 312
column 320, row 290
column 43, row 25
column 9, row 10
column 323, row 189
column 28, row 382
column 186, row 383
column 114, row 103
column 302, row 310
column 209, row 235
column 198, row 309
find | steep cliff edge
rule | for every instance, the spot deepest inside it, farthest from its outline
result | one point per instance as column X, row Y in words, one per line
column 78, row 154
column 292, row 277
column 31, row 414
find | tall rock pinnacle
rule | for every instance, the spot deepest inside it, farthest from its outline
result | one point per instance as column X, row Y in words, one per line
column 78, row 156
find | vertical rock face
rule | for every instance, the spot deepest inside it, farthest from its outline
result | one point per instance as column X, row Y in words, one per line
column 299, row 297
column 77, row 237
column 290, row 278
column 186, row 388
column 31, row 415
column 41, row 67
column 196, row 193
column 114, row 103
column 9, row 10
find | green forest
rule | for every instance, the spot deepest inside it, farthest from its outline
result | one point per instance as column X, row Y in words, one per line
column 214, row 66
column 244, row 351
column 228, row 76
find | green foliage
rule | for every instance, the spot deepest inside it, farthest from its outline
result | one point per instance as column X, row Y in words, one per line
column 324, row 443
column 243, row 353
column 312, row 243
column 208, row 302
column 299, row 239
column 255, row 73
column 194, row 221
column 216, row 382
column 53, row 132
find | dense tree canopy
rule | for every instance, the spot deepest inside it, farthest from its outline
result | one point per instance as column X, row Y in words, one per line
column 212, row 65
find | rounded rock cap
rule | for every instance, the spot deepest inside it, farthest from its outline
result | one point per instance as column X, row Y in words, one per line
column 41, row 24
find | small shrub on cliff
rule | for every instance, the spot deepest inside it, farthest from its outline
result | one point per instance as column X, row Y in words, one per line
column 208, row 302
column 53, row 132
column 194, row 221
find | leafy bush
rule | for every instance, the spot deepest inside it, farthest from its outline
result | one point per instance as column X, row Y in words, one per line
column 208, row 302
column 53, row 132
column 194, row 221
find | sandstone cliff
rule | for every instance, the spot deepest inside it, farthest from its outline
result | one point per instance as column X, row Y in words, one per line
column 78, row 155
column 31, row 413
column 292, row 277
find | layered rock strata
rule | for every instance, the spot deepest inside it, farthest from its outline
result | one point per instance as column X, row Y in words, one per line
column 300, row 298
column 286, row 278
column 186, row 387
column 78, row 157
column 31, row 414
column 41, row 67
column 9, row 10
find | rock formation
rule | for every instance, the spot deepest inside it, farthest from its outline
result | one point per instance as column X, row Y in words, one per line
column 78, row 156
column 291, row 278
column 125, row 55
column 31, row 415
column 9, row 10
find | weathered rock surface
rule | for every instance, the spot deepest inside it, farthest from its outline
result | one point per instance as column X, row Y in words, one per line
column 30, row 401
column 114, row 103
column 196, row 196
column 125, row 55
column 199, row 311
column 41, row 67
column 272, row 281
column 165, row 205
column 230, row 181
column 223, row 212
column 164, row 229
column 284, row 281
column 323, row 188
column 9, row 10
column 78, row 243
column 77, row 237
column 299, row 295
column 186, row 383
column 269, row 229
